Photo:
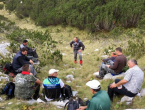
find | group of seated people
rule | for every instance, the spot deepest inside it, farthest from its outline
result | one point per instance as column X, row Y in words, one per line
column 28, row 86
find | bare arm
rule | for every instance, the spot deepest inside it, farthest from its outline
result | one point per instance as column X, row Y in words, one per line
column 14, row 79
column 38, row 81
column 118, row 84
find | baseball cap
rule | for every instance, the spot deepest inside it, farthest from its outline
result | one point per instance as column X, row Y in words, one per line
column 51, row 71
column 94, row 84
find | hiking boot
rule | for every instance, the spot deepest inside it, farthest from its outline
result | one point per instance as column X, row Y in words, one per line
column 81, row 62
column 99, row 77
column 75, row 62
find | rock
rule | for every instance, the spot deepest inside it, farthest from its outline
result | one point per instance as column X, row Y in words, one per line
column 63, row 54
column 68, row 81
column 70, row 77
column 75, row 93
column 40, row 101
column 85, row 98
column 142, row 92
column 5, row 78
column 3, row 49
column 1, row 99
column 109, row 76
column 59, row 103
column 104, row 56
column 78, row 86
column 96, row 73
column 10, row 103
column 126, row 99
column 96, row 49
column 109, row 50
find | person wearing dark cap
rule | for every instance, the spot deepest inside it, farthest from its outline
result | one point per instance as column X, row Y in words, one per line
column 31, row 52
column 100, row 99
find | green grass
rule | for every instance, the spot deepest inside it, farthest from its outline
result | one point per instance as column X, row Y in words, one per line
column 91, row 61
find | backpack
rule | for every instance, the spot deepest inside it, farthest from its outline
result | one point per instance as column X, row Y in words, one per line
column 9, row 90
column 73, row 105
column 66, row 92
column 9, row 70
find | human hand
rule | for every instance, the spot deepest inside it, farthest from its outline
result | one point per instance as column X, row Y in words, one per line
column 82, row 108
column 108, row 66
column 31, row 62
column 113, row 85
column 79, row 50
column 31, row 74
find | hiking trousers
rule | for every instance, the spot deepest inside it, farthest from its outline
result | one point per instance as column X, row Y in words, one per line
column 119, row 91
column 75, row 55
column 104, row 69
column 32, row 70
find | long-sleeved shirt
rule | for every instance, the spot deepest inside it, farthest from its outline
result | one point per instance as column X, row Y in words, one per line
column 77, row 45
column 99, row 101
column 119, row 64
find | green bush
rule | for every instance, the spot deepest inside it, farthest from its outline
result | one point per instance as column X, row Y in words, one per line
column 93, row 15
column 1, row 6
column 136, row 47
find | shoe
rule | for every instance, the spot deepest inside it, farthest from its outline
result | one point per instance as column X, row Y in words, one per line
column 75, row 62
column 81, row 62
column 99, row 77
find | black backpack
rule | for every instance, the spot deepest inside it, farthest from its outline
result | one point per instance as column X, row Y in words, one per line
column 66, row 92
column 9, row 90
column 73, row 105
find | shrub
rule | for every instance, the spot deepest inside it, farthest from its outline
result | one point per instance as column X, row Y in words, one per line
column 93, row 15
column 1, row 6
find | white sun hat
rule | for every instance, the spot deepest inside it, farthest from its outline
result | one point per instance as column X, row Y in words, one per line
column 51, row 71
column 94, row 84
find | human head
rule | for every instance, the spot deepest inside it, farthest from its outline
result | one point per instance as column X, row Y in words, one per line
column 24, row 51
column 118, row 51
column 25, row 42
column 94, row 85
column 76, row 39
column 26, row 67
column 113, row 53
column 53, row 72
column 132, row 63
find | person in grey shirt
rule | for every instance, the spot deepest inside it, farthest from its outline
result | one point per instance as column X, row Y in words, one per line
column 131, row 84
column 31, row 52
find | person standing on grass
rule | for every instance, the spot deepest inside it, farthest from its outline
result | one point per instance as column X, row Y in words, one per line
column 77, row 44
column 130, row 85
column 100, row 99
column 115, row 67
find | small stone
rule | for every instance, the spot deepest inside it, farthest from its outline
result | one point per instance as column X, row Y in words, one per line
column 96, row 49
column 10, row 103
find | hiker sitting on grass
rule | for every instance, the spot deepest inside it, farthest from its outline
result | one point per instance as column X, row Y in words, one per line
column 31, row 52
column 130, row 85
column 26, row 84
column 20, row 59
column 115, row 67
column 52, row 86
column 100, row 99
column 112, row 58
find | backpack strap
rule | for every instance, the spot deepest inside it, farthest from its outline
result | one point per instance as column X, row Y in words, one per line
column 66, row 105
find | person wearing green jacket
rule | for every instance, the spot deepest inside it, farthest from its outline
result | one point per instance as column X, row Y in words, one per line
column 100, row 99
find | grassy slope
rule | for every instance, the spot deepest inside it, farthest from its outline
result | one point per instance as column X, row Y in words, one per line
column 81, row 74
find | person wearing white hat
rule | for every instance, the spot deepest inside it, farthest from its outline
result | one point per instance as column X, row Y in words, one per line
column 52, row 85
column 100, row 99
